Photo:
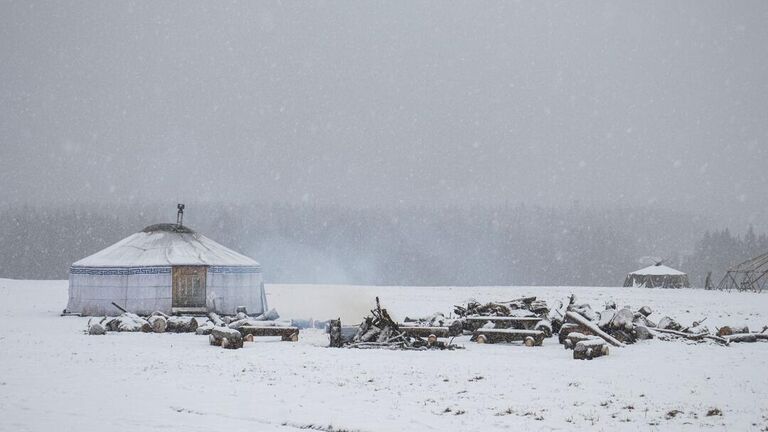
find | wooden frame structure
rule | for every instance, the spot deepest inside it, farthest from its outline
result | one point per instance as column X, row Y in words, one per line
column 751, row 275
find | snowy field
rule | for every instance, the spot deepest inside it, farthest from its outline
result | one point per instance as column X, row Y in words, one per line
column 54, row 377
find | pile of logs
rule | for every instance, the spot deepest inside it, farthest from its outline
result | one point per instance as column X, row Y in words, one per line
column 526, row 319
column 380, row 331
column 615, row 326
column 618, row 327
column 158, row 322
column 231, row 331
column 225, row 331
column 504, row 308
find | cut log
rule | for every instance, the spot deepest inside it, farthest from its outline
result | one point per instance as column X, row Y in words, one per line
column 694, row 337
column 642, row 320
column 645, row 310
column 668, row 323
column 529, row 337
column 423, row 332
column 216, row 319
column 232, row 343
column 589, row 349
column 585, row 311
column 581, row 320
column 96, row 328
column 129, row 322
column 742, row 337
column 287, row 334
column 226, row 337
column 729, row 330
column 158, row 323
column 214, row 340
column 334, row 333
column 642, row 332
column 270, row 315
column 181, row 324
column 158, row 313
column 544, row 326
column 606, row 317
column 205, row 329
column 569, row 328
column 575, row 337
column 623, row 320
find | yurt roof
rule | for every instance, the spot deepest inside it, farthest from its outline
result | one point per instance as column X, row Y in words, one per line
column 165, row 245
column 658, row 270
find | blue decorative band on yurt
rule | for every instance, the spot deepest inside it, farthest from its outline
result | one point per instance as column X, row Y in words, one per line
column 239, row 269
column 118, row 271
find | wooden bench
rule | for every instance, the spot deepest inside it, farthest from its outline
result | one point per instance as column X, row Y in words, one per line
column 424, row 332
column 525, row 323
column 528, row 337
column 287, row 334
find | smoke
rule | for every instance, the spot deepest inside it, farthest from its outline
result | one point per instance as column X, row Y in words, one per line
column 350, row 303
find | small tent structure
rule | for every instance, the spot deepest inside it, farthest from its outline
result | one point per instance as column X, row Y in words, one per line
column 657, row 276
column 168, row 268
column 751, row 275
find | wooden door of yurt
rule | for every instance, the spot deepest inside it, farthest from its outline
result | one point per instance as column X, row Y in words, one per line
column 189, row 287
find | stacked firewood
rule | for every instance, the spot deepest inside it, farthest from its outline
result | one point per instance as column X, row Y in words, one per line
column 505, row 308
column 380, row 331
column 226, row 331
column 527, row 319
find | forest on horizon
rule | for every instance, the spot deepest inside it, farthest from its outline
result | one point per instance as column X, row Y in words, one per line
column 503, row 245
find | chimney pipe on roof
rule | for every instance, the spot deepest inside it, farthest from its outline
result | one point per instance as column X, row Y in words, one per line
column 180, row 214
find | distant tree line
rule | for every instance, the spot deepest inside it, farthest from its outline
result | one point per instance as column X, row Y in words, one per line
column 719, row 250
column 505, row 245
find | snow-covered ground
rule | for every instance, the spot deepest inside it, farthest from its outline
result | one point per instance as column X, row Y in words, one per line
column 54, row 377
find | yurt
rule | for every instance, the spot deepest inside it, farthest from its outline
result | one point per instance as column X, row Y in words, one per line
column 657, row 276
column 168, row 268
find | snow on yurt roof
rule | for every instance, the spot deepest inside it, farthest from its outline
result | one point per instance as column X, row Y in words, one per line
column 658, row 269
column 165, row 245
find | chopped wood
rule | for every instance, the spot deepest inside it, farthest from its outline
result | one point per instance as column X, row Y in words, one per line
column 623, row 320
column 205, row 329
column 668, row 323
column 575, row 337
column 334, row 332
column 128, row 322
column 216, row 319
column 181, row 324
column 589, row 349
column 581, row 320
column 226, row 337
column 645, row 310
column 159, row 323
column 96, row 328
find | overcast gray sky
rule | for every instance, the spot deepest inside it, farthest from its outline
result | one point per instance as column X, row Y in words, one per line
column 378, row 103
